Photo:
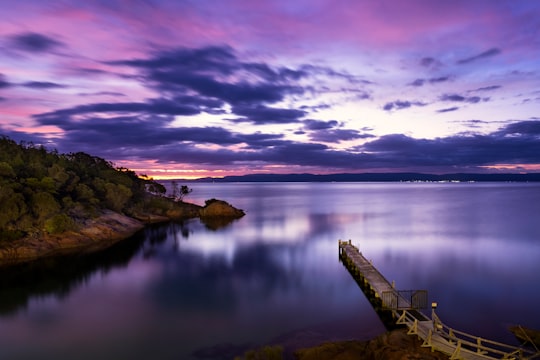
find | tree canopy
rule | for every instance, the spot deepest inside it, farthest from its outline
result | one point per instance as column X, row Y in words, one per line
column 42, row 190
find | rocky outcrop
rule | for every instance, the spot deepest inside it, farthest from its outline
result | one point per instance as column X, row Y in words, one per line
column 219, row 208
column 108, row 228
column 94, row 234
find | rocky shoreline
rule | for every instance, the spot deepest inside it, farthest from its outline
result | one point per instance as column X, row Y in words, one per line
column 105, row 230
column 392, row 345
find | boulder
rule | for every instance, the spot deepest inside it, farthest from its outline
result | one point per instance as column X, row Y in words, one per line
column 220, row 208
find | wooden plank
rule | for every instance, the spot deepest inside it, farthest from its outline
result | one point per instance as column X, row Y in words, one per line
column 441, row 337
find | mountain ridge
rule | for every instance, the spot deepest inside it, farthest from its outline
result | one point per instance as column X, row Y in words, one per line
column 374, row 177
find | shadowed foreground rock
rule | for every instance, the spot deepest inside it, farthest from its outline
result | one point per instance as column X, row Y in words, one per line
column 393, row 345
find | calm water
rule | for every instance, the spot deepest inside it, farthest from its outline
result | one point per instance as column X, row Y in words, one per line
column 184, row 291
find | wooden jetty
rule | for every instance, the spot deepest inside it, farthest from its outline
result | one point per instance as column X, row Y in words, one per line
column 403, row 308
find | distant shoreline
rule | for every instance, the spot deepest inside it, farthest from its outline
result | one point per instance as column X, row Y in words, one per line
column 372, row 177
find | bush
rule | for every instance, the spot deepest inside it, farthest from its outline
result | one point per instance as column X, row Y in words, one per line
column 10, row 235
column 265, row 353
column 59, row 223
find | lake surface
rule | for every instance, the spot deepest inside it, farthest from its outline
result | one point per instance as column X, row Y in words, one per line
column 185, row 291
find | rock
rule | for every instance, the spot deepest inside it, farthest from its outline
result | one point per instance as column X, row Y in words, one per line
column 183, row 210
column 95, row 234
column 526, row 336
column 220, row 208
column 108, row 228
column 393, row 345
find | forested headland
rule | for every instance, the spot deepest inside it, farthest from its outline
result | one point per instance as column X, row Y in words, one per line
column 44, row 193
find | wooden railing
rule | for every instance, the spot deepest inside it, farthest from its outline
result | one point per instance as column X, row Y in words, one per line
column 462, row 345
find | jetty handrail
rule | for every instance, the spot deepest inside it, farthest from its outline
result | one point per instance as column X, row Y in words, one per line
column 481, row 345
column 437, row 335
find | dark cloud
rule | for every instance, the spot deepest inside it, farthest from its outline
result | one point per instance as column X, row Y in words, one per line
column 34, row 42
column 152, row 138
column 401, row 104
column 523, row 128
column 488, row 88
column 233, row 93
column 2, row 98
column 136, row 132
column 517, row 143
column 473, row 124
column 421, row 82
column 328, row 131
column 315, row 108
column 448, row 109
column 261, row 114
column 439, row 79
column 181, row 106
column 488, row 53
column 42, row 85
column 460, row 98
column 3, row 82
column 210, row 72
column 338, row 135
column 320, row 124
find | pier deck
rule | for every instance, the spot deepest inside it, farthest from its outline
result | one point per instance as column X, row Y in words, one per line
column 402, row 308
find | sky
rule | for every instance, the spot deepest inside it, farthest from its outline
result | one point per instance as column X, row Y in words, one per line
column 188, row 89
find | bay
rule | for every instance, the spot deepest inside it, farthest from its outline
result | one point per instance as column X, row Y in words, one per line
column 186, row 291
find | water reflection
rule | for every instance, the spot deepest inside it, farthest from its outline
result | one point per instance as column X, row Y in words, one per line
column 59, row 276
column 188, row 290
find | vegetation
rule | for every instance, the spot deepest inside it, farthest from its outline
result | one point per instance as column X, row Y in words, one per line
column 44, row 191
column 179, row 193
column 264, row 353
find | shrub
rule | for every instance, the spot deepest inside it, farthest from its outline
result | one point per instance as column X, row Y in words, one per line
column 59, row 223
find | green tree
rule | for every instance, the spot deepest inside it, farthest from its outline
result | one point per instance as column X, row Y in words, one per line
column 6, row 170
column 58, row 173
column 179, row 193
column 44, row 205
column 84, row 192
column 12, row 206
column 117, row 196
column 59, row 223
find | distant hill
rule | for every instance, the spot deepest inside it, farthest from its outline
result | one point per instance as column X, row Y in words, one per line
column 375, row 177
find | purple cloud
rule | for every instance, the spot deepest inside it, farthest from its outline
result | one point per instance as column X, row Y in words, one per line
column 488, row 53
column 34, row 42
column 203, row 71
column 261, row 114
column 400, row 105
column 488, row 88
column 319, row 124
column 460, row 98
column 42, row 85
column 448, row 109
column 3, row 82
column 421, row 82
